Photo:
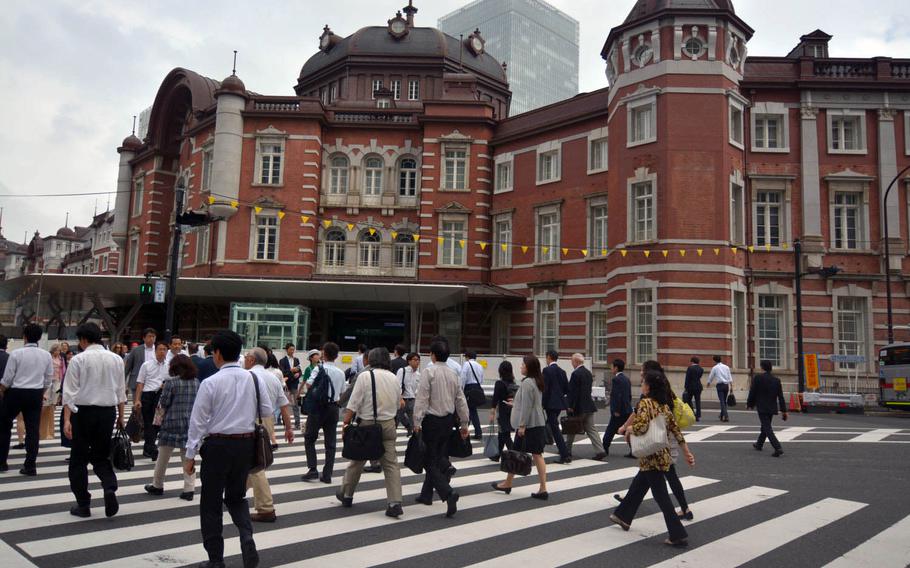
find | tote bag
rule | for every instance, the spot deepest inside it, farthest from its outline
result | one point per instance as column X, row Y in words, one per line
column 364, row 442
column 652, row 441
column 491, row 443
column 683, row 414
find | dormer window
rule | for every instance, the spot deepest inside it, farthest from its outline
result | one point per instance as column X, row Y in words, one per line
column 383, row 102
column 694, row 47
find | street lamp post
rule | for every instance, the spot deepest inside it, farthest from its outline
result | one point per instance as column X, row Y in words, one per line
column 179, row 192
column 888, row 255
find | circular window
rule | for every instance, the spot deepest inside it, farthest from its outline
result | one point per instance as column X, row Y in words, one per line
column 643, row 54
column 694, row 47
column 735, row 57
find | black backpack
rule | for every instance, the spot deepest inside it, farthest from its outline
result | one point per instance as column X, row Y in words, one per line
column 321, row 394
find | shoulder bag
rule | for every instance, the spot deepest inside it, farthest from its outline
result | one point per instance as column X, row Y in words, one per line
column 652, row 441
column 364, row 442
column 134, row 427
column 474, row 392
column 731, row 399
column 515, row 461
column 682, row 413
column 262, row 443
column 459, row 447
column 121, row 453
column 416, row 453
column 491, row 443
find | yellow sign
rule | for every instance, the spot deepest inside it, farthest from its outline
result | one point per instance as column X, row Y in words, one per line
column 346, row 359
column 811, row 371
column 900, row 384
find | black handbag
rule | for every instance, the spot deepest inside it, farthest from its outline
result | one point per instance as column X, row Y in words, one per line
column 416, row 453
column 731, row 400
column 364, row 442
column 514, row 462
column 572, row 425
column 121, row 453
column 262, row 442
column 135, row 428
column 459, row 447
column 473, row 393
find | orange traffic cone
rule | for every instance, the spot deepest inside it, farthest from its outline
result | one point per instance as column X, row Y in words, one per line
column 795, row 405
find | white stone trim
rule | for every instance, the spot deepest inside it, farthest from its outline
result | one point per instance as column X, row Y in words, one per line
column 546, row 148
column 635, row 103
column 642, row 175
column 829, row 116
column 782, row 185
column 597, row 135
column 770, row 109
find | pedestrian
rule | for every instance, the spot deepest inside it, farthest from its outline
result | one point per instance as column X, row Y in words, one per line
column 620, row 403
column 290, row 366
column 440, row 407
column 28, row 374
column 399, row 362
column 387, row 402
column 501, row 410
column 138, row 356
column 472, row 374
column 177, row 398
column 174, row 348
column 324, row 416
column 256, row 361
column 94, row 396
column 207, row 367
column 581, row 403
column 148, row 390
column 554, row 402
column 408, row 376
column 359, row 363
column 655, row 401
column 374, row 466
column 195, row 357
column 530, row 424
column 692, row 387
column 222, row 423
column 765, row 395
column 721, row 373
column 4, row 355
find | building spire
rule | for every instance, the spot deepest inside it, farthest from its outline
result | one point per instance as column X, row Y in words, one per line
column 410, row 10
column 134, row 125
column 67, row 223
column 234, row 68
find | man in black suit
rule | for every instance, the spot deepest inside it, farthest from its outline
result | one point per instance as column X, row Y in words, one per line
column 207, row 367
column 620, row 403
column 554, row 401
column 290, row 368
column 692, row 387
column 765, row 395
column 399, row 361
column 193, row 350
column 581, row 403
column 4, row 356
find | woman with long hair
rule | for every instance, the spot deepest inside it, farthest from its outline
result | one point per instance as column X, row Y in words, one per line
column 530, row 424
column 501, row 409
column 655, row 402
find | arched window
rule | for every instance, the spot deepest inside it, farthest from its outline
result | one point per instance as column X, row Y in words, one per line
column 373, row 176
column 338, row 176
column 405, row 251
column 369, row 249
column 334, row 248
column 407, row 177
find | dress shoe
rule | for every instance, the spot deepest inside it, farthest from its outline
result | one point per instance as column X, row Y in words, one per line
column 565, row 461
column 629, row 455
column 451, row 504
column 212, row 564
column 326, row 479
column 264, row 517
column 311, row 475
column 756, row 446
column 477, row 437
column 83, row 512
column 250, row 554
column 777, row 453
column 687, row 516
column 111, row 506
column 28, row 472
column 681, row 543
column 152, row 490
column 495, row 458
column 19, row 447
column 423, row 501
column 543, row 495
column 506, row 490
column 618, row 497
column 3, row 467
column 346, row 502
column 394, row 511
column 625, row 526
column 372, row 469
column 187, row 496
column 599, row 457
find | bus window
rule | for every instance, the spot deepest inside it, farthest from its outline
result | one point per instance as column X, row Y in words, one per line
column 895, row 355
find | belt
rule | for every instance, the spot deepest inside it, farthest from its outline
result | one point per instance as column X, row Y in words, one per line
column 233, row 436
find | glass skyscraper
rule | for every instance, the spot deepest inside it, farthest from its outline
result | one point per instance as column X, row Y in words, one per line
column 538, row 42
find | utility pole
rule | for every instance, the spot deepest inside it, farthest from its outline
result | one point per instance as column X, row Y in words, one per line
column 888, row 255
column 171, row 300
column 800, row 365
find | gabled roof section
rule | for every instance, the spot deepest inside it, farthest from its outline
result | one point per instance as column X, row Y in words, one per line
column 647, row 8
column 583, row 106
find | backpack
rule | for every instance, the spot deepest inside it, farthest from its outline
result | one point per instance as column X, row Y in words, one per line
column 321, row 394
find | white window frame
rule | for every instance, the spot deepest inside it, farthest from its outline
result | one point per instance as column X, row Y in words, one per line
column 138, row 196
column 502, row 259
column 761, row 209
column 595, row 247
column 641, row 176
column 334, row 255
column 376, row 84
column 450, row 244
column 414, row 89
column 333, row 93
column 408, row 178
column 598, row 336
column 105, row 262
column 552, row 254
column 502, row 325
column 255, row 218
column 739, row 332
column 452, row 184
column 860, row 116
column 598, row 140
column 737, row 210
column 396, row 89
column 545, row 339
column 404, row 252
column 631, row 108
column 372, row 176
column 736, row 113
column 203, row 242
column 765, row 111
column 339, row 177
column 635, row 333
column 551, row 153
column 260, row 156
column 765, row 313
column 861, row 189
column 133, row 260
column 208, row 157
column 907, row 132
column 369, row 250
column 854, row 293
column 503, row 177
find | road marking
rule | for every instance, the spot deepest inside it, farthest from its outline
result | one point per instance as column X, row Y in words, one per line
column 789, row 434
column 706, row 432
column 11, row 557
column 581, row 546
column 887, row 549
column 736, row 549
column 877, row 435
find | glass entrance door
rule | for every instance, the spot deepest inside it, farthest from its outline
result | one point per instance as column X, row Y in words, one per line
column 272, row 325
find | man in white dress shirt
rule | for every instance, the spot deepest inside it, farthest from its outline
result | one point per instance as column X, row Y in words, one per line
column 720, row 372
column 175, row 347
column 29, row 371
column 93, row 389
column 472, row 374
column 138, row 356
column 222, row 423
column 149, row 382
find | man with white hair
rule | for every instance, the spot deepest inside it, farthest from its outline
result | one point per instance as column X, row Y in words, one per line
column 581, row 403
column 255, row 361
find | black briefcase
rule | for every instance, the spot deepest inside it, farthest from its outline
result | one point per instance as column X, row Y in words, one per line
column 363, row 442
column 416, row 453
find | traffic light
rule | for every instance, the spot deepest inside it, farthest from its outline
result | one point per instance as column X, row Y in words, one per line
column 146, row 292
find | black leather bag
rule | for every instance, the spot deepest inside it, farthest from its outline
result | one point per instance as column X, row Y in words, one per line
column 262, row 442
column 731, row 400
column 134, row 427
column 364, row 442
column 121, row 453
column 473, row 392
column 514, row 462
column 416, row 453
column 572, row 425
column 459, row 447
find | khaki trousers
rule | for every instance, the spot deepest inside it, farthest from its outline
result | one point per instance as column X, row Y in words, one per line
column 388, row 462
column 258, row 482
column 592, row 434
column 164, row 457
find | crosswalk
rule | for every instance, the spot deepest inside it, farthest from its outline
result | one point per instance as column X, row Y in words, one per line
column 736, row 523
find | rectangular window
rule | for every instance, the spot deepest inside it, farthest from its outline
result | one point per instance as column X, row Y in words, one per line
column 768, row 218
column 546, row 326
column 846, row 133
column 504, row 176
column 405, row 253
column 597, row 240
column 740, row 358
column 138, row 196
column 548, row 166
column 502, row 241
column 847, row 220
column 369, row 252
column 737, row 214
column 771, row 329
column 736, row 124
column 456, row 165
column 597, row 159
column 643, row 324
column 266, row 237
column 270, row 154
column 377, row 85
column 643, row 211
column 203, row 238
column 334, row 250
column 548, row 236
column 333, row 93
column 851, row 329
column 207, row 156
column 769, row 131
column 134, row 256
column 104, row 263
column 501, row 341
column 642, row 124
column 451, row 248
column 599, row 337
column 396, row 89
column 413, row 90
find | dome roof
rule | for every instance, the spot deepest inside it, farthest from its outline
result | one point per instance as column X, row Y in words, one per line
column 233, row 84
column 646, row 8
column 419, row 42
column 66, row 232
column 131, row 142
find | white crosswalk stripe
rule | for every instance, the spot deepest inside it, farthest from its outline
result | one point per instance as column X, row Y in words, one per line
column 888, row 549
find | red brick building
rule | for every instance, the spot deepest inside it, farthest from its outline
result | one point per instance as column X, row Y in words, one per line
column 652, row 218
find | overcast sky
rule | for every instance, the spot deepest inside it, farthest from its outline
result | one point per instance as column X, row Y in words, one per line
column 73, row 72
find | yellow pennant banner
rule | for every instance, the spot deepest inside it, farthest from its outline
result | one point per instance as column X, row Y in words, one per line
column 327, row 223
column 372, row 231
column 281, row 214
column 682, row 252
column 394, row 234
column 666, row 253
column 211, row 200
column 304, row 219
column 504, row 247
column 623, row 252
column 461, row 243
column 483, row 245
column 524, row 249
column 350, row 226
column 565, row 252
column 257, row 209
column 235, row 204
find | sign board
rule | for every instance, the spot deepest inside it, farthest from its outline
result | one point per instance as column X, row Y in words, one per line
column 346, row 359
column 848, row 359
column 900, row 384
column 160, row 288
column 811, row 365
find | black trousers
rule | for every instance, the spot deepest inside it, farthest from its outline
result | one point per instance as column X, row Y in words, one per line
column 93, row 427
column 767, row 431
column 436, row 431
column 656, row 482
column 28, row 402
column 694, row 400
column 504, row 419
column 612, row 428
column 149, row 403
column 225, row 466
column 553, row 425
column 327, row 421
column 677, row 488
column 475, row 420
